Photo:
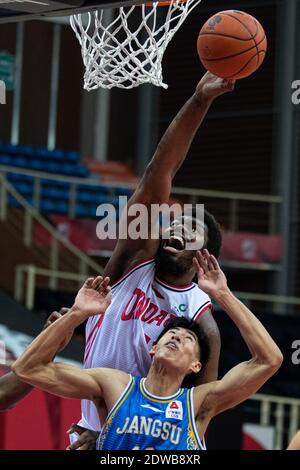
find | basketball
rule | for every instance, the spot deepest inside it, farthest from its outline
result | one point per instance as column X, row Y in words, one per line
column 232, row 44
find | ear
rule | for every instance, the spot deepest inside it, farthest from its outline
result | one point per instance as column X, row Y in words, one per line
column 195, row 367
column 153, row 350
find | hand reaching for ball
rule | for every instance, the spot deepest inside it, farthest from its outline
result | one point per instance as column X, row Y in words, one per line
column 232, row 44
column 211, row 86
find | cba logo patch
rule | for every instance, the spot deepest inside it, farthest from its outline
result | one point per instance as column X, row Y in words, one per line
column 180, row 309
column 214, row 21
column 174, row 410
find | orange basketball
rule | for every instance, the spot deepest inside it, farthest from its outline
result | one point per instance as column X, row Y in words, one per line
column 232, row 44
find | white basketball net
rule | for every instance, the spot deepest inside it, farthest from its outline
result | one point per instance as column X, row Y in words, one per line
column 128, row 50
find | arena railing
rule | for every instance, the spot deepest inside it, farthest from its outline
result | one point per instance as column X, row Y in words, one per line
column 61, row 254
column 26, row 280
column 26, row 277
column 281, row 413
column 235, row 211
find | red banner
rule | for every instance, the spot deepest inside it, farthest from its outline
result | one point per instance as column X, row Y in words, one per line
column 251, row 248
column 237, row 246
column 39, row 422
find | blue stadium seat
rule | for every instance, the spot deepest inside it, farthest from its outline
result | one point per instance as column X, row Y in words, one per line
column 92, row 197
column 44, row 153
column 82, row 171
column 87, row 211
column 72, row 156
column 14, row 203
column 58, row 154
column 55, row 193
column 36, row 165
column 12, row 177
column 19, row 161
column 47, row 206
column 7, row 148
column 24, row 188
column 54, row 207
column 62, row 184
column 5, row 159
column 25, row 150
column 124, row 192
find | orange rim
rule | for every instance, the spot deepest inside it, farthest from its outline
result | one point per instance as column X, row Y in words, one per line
column 164, row 3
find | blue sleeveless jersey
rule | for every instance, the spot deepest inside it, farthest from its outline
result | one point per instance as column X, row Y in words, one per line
column 142, row 421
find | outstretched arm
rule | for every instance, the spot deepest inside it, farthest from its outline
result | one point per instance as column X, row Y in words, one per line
column 12, row 390
column 209, row 326
column 155, row 185
column 35, row 366
column 246, row 378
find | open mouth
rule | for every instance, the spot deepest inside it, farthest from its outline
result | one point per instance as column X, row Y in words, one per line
column 172, row 345
column 174, row 245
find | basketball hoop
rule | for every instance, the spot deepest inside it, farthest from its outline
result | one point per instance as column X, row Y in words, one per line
column 128, row 50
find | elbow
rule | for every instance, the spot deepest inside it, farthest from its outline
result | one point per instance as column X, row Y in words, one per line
column 276, row 360
column 20, row 371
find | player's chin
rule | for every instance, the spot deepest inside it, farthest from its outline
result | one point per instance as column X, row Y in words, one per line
column 170, row 356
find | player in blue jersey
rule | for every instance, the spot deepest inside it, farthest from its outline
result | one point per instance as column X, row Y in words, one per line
column 155, row 412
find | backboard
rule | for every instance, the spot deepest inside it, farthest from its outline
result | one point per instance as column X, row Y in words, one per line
column 19, row 10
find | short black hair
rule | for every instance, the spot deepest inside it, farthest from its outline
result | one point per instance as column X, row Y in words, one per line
column 214, row 239
column 182, row 322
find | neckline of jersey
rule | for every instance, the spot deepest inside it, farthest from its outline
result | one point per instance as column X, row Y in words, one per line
column 168, row 284
column 156, row 397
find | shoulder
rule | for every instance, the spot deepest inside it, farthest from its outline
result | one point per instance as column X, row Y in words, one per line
column 199, row 302
column 207, row 322
column 138, row 268
column 202, row 406
column 118, row 376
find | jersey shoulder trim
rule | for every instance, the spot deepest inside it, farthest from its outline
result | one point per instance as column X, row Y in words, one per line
column 133, row 268
column 122, row 398
column 194, row 438
column 113, row 411
column 174, row 288
column 157, row 399
column 207, row 305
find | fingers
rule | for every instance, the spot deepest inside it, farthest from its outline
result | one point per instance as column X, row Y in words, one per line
column 98, row 283
column 229, row 83
column 55, row 316
column 86, row 439
column 196, row 265
column 64, row 310
column 202, row 261
column 51, row 319
column 206, row 261
column 198, row 268
column 76, row 445
column 215, row 262
column 89, row 282
column 86, row 446
column 105, row 283
column 101, row 285
column 75, row 428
